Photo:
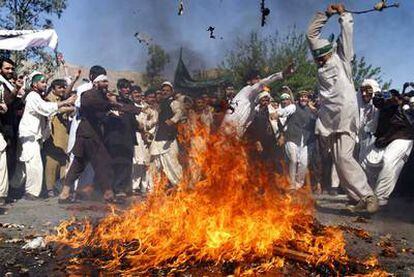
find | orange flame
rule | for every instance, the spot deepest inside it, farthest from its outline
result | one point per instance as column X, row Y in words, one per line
column 237, row 212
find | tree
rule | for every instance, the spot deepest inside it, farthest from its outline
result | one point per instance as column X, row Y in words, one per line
column 272, row 54
column 158, row 58
column 31, row 14
column 362, row 70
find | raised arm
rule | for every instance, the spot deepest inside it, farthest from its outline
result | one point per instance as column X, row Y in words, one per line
column 315, row 26
column 345, row 48
column 267, row 81
column 69, row 89
column 256, row 88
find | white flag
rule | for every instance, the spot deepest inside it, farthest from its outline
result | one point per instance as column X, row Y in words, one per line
column 22, row 39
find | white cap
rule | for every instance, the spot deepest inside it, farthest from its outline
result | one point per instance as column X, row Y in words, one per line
column 285, row 96
column 166, row 83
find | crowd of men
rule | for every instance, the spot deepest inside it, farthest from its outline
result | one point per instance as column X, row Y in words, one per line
column 56, row 140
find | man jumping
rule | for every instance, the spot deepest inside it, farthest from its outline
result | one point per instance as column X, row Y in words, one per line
column 337, row 122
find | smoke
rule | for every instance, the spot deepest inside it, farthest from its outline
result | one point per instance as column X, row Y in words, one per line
column 102, row 31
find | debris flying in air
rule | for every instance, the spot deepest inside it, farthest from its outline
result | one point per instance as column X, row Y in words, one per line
column 181, row 7
column 143, row 38
column 211, row 30
column 265, row 12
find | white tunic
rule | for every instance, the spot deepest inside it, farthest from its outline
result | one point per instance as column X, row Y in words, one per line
column 244, row 104
column 76, row 120
column 146, row 120
column 34, row 120
column 339, row 108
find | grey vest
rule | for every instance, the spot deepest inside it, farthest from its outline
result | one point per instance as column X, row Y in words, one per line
column 301, row 124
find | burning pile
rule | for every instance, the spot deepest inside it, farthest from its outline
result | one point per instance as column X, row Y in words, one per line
column 235, row 213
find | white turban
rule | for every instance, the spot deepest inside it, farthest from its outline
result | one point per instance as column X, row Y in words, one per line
column 285, row 96
column 166, row 83
column 320, row 47
column 100, row 78
column 371, row 83
column 263, row 94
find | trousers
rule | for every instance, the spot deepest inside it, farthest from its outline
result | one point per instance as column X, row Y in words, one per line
column 350, row 173
column 33, row 163
column 4, row 176
column 55, row 168
column 168, row 162
column 298, row 163
column 385, row 177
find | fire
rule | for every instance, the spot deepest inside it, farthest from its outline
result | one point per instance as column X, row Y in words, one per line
column 236, row 212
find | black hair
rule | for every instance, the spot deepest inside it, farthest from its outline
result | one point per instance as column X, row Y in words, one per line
column 7, row 60
column 58, row 82
column 394, row 93
column 95, row 71
column 150, row 90
column 251, row 74
column 123, row 83
column 136, row 88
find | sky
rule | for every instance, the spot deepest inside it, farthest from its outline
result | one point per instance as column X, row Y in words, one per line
column 102, row 31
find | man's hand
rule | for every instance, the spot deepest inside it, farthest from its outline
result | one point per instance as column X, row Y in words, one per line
column 335, row 8
column 340, row 8
column 274, row 116
column 66, row 109
column 311, row 105
column 169, row 122
column 78, row 74
column 3, row 108
column 71, row 99
column 259, row 147
column 289, row 70
column 281, row 141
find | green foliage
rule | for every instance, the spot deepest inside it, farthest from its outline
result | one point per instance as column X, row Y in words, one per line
column 158, row 58
column 31, row 14
column 362, row 70
column 272, row 54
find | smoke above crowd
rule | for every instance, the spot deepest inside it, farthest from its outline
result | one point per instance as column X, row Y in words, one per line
column 112, row 30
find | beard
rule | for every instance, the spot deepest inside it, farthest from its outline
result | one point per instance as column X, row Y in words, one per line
column 7, row 76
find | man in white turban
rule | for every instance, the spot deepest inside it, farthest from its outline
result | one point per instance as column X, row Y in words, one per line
column 368, row 117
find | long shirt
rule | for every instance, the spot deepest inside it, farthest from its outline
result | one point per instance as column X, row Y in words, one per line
column 244, row 104
column 58, row 133
column 368, row 118
column 76, row 120
column 35, row 115
column 339, row 109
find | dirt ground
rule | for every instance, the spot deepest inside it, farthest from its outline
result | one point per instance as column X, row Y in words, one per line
column 24, row 220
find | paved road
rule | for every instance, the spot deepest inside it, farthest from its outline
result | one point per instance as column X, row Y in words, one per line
column 395, row 223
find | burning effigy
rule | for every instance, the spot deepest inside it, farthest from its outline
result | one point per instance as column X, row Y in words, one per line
column 235, row 216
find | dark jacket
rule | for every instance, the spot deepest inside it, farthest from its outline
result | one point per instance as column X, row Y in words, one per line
column 392, row 124
column 93, row 112
column 164, row 131
column 261, row 130
column 120, row 133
